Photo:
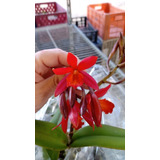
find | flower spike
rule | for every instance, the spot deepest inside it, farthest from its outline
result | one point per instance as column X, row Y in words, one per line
column 89, row 107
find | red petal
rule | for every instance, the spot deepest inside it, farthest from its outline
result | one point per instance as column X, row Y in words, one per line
column 106, row 106
column 87, row 62
column 88, row 98
column 101, row 92
column 62, row 86
column 75, row 79
column 61, row 71
column 96, row 110
column 89, row 119
column 73, row 116
column 80, row 123
column 72, row 60
column 64, row 124
column 88, row 80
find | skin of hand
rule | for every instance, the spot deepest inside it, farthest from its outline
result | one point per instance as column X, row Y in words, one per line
column 45, row 80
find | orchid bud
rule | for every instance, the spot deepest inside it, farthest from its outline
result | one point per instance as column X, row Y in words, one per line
column 63, row 105
column 95, row 108
column 72, row 96
column 83, row 104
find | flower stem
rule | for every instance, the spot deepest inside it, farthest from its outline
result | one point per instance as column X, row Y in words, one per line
column 110, row 73
column 121, row 45
column 70, row 134
column 116, row 82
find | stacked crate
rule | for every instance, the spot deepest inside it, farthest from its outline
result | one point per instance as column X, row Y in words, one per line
column 109, row 21
column 91, row 33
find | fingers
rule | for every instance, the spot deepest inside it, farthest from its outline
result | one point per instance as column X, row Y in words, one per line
column 52, row 58
column 45, row 60
column 45, row 89
column 38, row 78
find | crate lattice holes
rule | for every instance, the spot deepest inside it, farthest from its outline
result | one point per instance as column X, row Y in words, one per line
column 49, row 14
column 109, row 20
column 85, row 26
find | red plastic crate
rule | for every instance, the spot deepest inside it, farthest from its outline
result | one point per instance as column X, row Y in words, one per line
column 107, row 19
column 49, row 14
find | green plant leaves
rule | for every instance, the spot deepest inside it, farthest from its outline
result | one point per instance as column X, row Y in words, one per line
column 105, row 136
column 45, row 137
column 100, row 141
column 105, row 130
column 54, row 141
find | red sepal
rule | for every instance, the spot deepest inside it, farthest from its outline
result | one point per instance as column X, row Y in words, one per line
column 61, row 71
column 73, row 115
column 64, row 124
column 88, row 119
column 90, row 81
column 101, row 92
column 62, row 86
column 72, row 60
column 87, row 63
column 96, row 110
column 80, row 123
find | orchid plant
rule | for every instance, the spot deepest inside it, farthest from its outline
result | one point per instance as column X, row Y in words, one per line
column 79, row 101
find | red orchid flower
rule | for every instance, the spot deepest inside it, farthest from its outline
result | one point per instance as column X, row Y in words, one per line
column 95, row 107
column 76, row 76
column 90, row 110
column 72, row 114
column 90, row 107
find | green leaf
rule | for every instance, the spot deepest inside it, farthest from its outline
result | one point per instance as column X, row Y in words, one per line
column 100, row 141
column 105, row 130
column 45, row 137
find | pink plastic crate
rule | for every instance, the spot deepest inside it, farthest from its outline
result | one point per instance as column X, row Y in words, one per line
column 49, row 14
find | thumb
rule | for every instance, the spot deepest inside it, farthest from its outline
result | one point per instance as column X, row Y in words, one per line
column 45, row 89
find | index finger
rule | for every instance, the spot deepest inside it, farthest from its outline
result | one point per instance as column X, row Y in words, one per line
column 45, row 60
column 52, row 57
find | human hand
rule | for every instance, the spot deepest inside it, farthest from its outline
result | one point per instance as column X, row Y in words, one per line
column 45, row 80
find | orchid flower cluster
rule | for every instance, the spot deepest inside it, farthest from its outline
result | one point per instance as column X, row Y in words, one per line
column 79, row 94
